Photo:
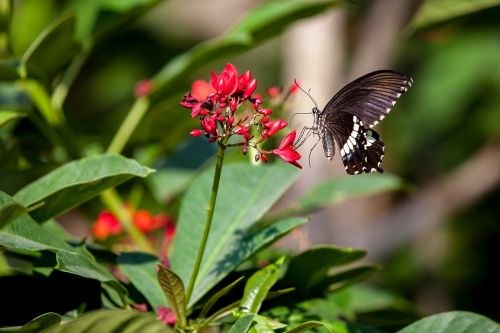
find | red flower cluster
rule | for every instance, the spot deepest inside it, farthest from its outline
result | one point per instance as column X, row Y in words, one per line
column 107, row 224
column 215, row 104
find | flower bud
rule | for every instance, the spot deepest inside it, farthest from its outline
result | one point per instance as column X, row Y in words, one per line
column 250, row 88
column 196, row 132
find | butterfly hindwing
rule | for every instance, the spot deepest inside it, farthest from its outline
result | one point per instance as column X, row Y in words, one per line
column 370, row 97
column 361, row 148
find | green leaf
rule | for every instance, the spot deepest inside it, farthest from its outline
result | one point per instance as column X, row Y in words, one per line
column 41, row 323
column 25, row 234
column 40, row 97
column 259, row 285
column 342, row 188
column 140, row 269
column 245, row 194
column 243, row 324
column 265, row 325
column 438, row 11
column 76, row 182
column 52, row 50
column 111, row 321
column 304, row 276
column 9, row 209
column 272, row 17
column 346, row 278
column 309, row 325
column 6, row 116
column 215, row 297
column 263, row 22
column 173, row 288
column 453, row 322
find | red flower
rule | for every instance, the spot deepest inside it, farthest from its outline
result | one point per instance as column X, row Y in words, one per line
column 226, row 83
column 143, row 220
column 106, row 224
column 286, row 150
column 201, row 89
column 166, row 315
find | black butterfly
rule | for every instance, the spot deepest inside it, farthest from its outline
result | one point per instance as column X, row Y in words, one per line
column 348, row 117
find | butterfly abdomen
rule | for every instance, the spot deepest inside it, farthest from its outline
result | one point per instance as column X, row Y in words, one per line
column 328, row 144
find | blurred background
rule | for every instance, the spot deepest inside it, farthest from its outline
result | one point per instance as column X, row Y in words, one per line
column 436, row 238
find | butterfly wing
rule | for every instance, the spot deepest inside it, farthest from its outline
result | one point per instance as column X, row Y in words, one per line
column 361, row 148
column 370, row 97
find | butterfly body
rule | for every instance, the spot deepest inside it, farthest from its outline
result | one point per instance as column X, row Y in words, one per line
column 348, row 118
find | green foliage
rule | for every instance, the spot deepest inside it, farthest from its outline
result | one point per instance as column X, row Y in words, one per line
column 48, row 47
column 453, row 322
column 51, row 51
column 438, row 11
column 231, row 240
column 258, row 286
column 108, row 321
column 173, row 288
column 243, row 324
column 141, row 269
column 260, row 24
column 38, row 324
column 77, row 182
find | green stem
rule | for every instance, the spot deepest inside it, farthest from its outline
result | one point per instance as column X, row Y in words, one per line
column 128, row 126
column 112, row 200
column 208, row 222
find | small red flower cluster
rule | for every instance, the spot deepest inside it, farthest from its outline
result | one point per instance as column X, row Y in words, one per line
column 216, row 103
column 107, row 224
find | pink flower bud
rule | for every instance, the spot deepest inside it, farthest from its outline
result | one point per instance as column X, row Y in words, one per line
column 196, row 132
column 265, row 112
column 257, row 158
column 241, row 129
column 230, row 121
column 143, row 88
column 264, row 158
column 233, row 104
column 244, row 79
column 264, row 119
column 250, row 88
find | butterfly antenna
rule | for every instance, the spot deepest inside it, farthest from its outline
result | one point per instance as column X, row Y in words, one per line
column 308, row 93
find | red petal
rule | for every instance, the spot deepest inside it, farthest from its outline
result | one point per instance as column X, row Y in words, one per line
column 231, row 68
column 214, row 80
column 287, row 140
column 201, row 89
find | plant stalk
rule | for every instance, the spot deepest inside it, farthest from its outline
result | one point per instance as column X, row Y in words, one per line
column 128, row 126
column 208, row 222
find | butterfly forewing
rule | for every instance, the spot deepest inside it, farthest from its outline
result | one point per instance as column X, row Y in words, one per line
column 370, row 98
column 353, row 111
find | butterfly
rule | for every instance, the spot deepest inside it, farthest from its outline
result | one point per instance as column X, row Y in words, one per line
column 348, row 118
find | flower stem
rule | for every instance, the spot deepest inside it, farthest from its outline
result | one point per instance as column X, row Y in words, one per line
column 128, row 126
column 208, row 222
